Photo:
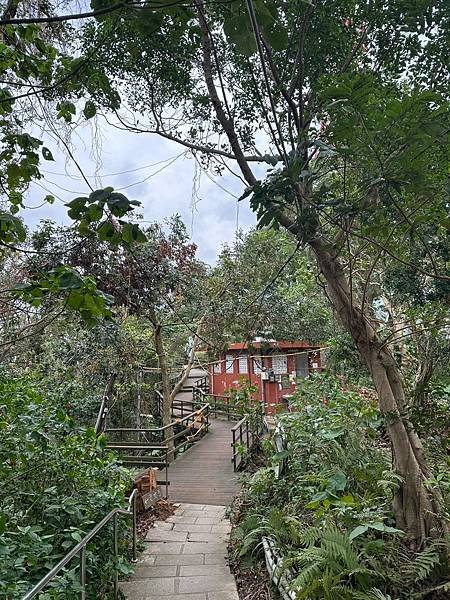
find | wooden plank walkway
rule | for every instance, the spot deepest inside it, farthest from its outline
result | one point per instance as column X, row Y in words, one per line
column 204, row 474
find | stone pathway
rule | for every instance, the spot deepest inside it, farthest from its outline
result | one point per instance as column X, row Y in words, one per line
column 185, row 558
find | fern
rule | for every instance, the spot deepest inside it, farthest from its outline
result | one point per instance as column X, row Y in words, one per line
column 423, row 565
column 338, row 547
column 310, row 536
column 331, row 569
column 307, row 577
column 373, row 594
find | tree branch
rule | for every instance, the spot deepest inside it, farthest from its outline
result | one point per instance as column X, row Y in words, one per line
column 227, row 124
column 191, row 145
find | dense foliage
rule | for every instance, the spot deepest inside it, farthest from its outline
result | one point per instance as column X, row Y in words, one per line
column 264, row 285
column 334, row 116
column 58, row 480
column 330, row 510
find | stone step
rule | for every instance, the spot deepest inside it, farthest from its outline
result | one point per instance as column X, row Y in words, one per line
column 185, row 558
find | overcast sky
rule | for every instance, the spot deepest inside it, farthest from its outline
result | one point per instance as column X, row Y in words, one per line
column 145, row 168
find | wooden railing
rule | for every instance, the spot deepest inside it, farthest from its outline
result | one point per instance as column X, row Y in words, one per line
column 202, row 384
column 155, row 446
column 220, row 405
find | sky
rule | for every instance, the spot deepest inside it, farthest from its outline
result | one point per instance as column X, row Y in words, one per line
column 144, row 167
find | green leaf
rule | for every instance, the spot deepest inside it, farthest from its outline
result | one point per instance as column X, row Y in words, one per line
column 337, row 482
column 106, row 231
column 238, row 30
column 127, row 233
column 100, row 195
column 95, row 212
column 358, row 531
column 50, row 199
column 89, row 109
column 47, row 154
column 79, row 202
column 11, row 228
column 66, row 110
column 385, row 528
column 118, row 204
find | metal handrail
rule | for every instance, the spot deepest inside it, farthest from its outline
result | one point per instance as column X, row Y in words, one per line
column 80, row 549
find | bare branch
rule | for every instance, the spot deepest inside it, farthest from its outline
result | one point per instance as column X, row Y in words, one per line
column 191, row 145
column 227, row 124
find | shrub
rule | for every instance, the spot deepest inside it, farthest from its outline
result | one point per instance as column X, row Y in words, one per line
column 330, row 510
column 58, row 480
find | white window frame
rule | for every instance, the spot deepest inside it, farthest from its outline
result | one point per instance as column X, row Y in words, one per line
column 217, row 367
column 279, row 364
column 229, row 360
column 243, row 364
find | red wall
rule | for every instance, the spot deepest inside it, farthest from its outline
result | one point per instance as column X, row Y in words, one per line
column 269, row 392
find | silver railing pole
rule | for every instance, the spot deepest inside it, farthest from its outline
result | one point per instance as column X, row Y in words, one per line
column 116, row 555
column 83, row 573
column 134, row 525
column 80, row 550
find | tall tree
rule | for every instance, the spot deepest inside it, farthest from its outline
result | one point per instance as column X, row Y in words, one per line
column 156, row 280
column 343, row 99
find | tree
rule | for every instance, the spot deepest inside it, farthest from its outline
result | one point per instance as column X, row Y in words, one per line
column 264, row 285
column 156, row 281
column 32, row 57
column 343, row 101
column 347, row 96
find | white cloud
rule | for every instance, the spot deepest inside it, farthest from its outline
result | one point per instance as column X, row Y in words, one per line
column 145, row 168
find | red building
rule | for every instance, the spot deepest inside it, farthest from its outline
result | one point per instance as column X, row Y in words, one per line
column 274, row 367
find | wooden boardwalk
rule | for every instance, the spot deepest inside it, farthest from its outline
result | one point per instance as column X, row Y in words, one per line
column 204, row 473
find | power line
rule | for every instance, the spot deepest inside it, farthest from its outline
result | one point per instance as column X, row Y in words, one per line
column 113, row 174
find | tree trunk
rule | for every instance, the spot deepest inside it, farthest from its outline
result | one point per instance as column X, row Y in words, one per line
column 191, row 359
column 418, row 510
column 166, row 388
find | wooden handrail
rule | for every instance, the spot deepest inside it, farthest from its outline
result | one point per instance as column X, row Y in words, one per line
column 176, row 421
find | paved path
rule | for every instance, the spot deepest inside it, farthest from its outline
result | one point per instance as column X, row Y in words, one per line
column 185, row 558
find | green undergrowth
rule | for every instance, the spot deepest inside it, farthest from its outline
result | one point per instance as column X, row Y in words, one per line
column 329, row 508
column 58, row 481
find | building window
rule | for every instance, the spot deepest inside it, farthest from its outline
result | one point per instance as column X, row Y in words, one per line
column 257, row 366
column 279, row 364
column 217, row 367
column 229, row 363
column 301, row 365
column 243, row 364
